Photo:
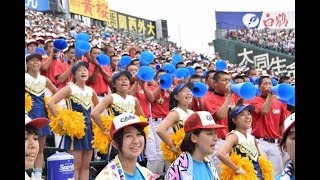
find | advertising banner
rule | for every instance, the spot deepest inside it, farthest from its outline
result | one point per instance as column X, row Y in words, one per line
column 96, row 9
column 277, row 20
column 119, row 20
column 237, row 20
column 39, row 5
column 260, row 20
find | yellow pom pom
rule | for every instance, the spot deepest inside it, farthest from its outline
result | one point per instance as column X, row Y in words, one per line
column 69, row 122
column 242, row 162
column 168, row 154
column 57, row 107
column 100, row 140
column 146, row 129
column 266, row 168
column 28, row 102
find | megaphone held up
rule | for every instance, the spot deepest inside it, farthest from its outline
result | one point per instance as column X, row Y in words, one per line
column 169, row 68
column 191, row 69
column 145, row 73
column 81, row 48
column 199, row 89
column 283, row 91
column 291, row 101
column 124, row 62
column 165, row 81
column 221, row 65
column 103, row 59
column 60, row 44
column 146, row 57
column 245, row 90
column 83, row 37
column 176, row 58
column 181, row 73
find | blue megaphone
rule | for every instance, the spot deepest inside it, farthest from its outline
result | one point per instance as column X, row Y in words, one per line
column 274, row 82
column 245, row 90
column 258, row 90
column 81, row 48
column 103, row 59
column 176, row 58
column 181, row 73
column 199, row 89
column 124, row 61
column 169, row 68
column 283, row 91
column 146, row 58
column 191, row 70
column 221, row 65
column 254, row 80
column 291, row 101
column 40, row 51
column 59, row 44
column 145, row 73
column 165, row 81
column 83, row 37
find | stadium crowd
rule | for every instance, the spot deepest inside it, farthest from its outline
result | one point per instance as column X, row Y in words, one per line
column 278, row 40
column 115, row 85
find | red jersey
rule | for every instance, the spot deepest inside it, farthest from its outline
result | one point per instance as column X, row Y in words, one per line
column 195, row 105
column 212, row 101
column 61, row 68
column 268, row 125
column 50, row 73
column 100, row 86
column 143, row 100
column 160, row 105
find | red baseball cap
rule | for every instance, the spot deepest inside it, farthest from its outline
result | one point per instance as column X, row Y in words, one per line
column 37, row 122
column 201, row 120
column 124, row 120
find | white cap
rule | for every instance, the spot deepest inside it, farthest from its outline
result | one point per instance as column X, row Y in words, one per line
column 288, row 123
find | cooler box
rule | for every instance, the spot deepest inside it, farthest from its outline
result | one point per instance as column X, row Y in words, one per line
column 60, row 166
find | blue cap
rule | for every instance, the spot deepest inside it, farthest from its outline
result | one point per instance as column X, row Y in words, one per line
column 178, row 88
column 239, row 108
column 121, row 73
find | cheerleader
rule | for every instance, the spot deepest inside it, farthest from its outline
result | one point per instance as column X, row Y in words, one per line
column 35, row 85
column 79, row 98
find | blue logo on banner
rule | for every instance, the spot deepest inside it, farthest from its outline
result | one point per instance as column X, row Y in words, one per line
column 40, row 5
column 237, row 20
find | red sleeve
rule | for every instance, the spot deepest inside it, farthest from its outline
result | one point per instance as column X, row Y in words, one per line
column 59, row 69
column 211, row 104
column 257, row 103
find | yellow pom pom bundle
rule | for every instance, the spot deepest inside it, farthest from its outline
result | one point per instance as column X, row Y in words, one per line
column 28, row 102
column 168, row 154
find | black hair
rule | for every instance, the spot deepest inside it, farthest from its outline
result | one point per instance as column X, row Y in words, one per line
column 187, row 144
column 283, row 140
column 114, row 56
column 282, row 79
column 195, row 76
column 178, row 64
column 118, row 138
column 173, row 102
column 248, row 72
column 31, row 129
column 239, row 77
column 262, row 78
column 231, row 124
column 218, row 74
column 158, row 72
column 208, row 73
column 70, row 47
